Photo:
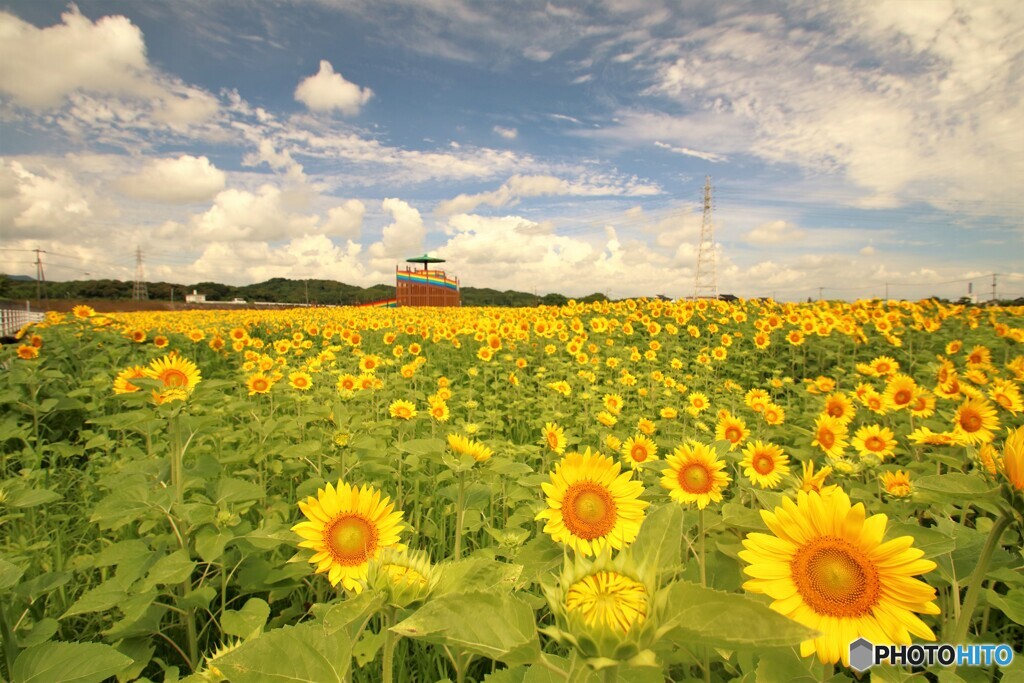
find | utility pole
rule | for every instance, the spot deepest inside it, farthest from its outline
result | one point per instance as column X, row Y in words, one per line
column 706, row 280
column 139, row 292
column 40, row 275
column 993, row 287
column 820, row 290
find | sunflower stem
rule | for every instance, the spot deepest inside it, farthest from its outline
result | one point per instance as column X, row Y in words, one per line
column 701, row 548
column 459, row 513
column 978, row 578
column 390, row 640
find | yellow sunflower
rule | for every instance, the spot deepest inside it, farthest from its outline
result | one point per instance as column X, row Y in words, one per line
column 874, row 440
column 639, row 450
column 1013, row 458
column 839, row 406
column 1007, row 395
column 402, row 410
column 300, row 380
column 463, row 445
column 695, row 475
column 258, row 383
column 813, row 481
column 554, row 437
column 123, row 381
column 975, row 421
column 896, row 483
column 765, row 464
column 608, row 599
column 592, row 504
column 732, row 429
column 346, row 528
column 826, row 566
column 900, row 391
column 178, row 376
column 830, row 436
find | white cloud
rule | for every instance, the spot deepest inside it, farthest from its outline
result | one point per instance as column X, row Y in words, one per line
column 45, row 203
column 521, row 186
column 44, row 68
column 328, row 90
column 774, row 232
column 403, row 237
column 185, row 179
column 345, row 220
column 686, row 151
column 240, row 215
column 507, row 133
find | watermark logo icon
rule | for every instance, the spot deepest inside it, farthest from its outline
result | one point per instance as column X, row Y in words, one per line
column 862, row 655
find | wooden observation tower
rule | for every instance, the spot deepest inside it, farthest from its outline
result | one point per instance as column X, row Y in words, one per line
column 428, row 286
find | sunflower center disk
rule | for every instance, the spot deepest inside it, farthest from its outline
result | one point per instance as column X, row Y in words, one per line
column 588, row 510
column 638, row 453
column 763, row 464
column 733, row 434
column 826, row 438
column 970, row 423
column 901, row 398
column 174, row 379
column 836, row 579
column 874, row 443
column 695, row 478
column 352, row 540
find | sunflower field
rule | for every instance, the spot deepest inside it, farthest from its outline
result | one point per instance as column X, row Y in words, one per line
column 634, row 491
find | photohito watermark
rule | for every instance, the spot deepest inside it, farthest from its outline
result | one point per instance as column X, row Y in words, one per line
column 864, row 655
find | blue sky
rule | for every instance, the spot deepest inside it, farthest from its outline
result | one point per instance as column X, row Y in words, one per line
column 855, row 149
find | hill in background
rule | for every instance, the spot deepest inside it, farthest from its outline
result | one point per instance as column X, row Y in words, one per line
column 281, row 290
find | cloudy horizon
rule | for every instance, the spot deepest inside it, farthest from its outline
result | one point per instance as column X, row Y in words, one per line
column 855, row 150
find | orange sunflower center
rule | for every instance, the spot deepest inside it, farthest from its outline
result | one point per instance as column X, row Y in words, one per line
column 733, row 433
column 835, row 579
column 260, row 384
column 638, row 452
column 763, row 463
column 902, row 397
column 970, row 421
column 552, row 438
column 352, row 540
column 695, row 478
column 174, row 378
column 588, row 510
column 874, row 443
column 836, row 410
column 301, row 382
column 826, row 438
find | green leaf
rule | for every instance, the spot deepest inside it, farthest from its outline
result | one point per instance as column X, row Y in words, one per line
column 784, row 665
column 932, row 541
column 742, row 517
column 237, row 491
column 99, row 599
column 352, row 613
column 68, row 663
column 423, row 447
column 210, row 543
column 658, row 543
column 173, row 568
column 1011, row 604
column 368, row 646
column 306, row 653
column 41, row 632
column 476, row 574
column 494, row 625
column 730, row 620
column 944, row 488
column 248, row 621
column 10, row 574
column 30, row 498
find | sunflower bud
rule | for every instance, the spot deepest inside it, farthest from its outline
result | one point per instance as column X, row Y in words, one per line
column 605, row 609
column 403, row 577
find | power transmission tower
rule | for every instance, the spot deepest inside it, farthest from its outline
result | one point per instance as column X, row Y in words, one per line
column 40, row 275
column 706, row 282
column 139, row 292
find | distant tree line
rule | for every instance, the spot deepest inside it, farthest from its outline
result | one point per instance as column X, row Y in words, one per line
column 278, row 289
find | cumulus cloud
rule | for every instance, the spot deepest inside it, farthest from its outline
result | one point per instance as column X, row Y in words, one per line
column 345, row 220
column 41, row 68
column 402, row 237
column 328, row 90
column 507, row 133
column 185, row 179
column 240, row 215
column 774, row 232
column 45, row 203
